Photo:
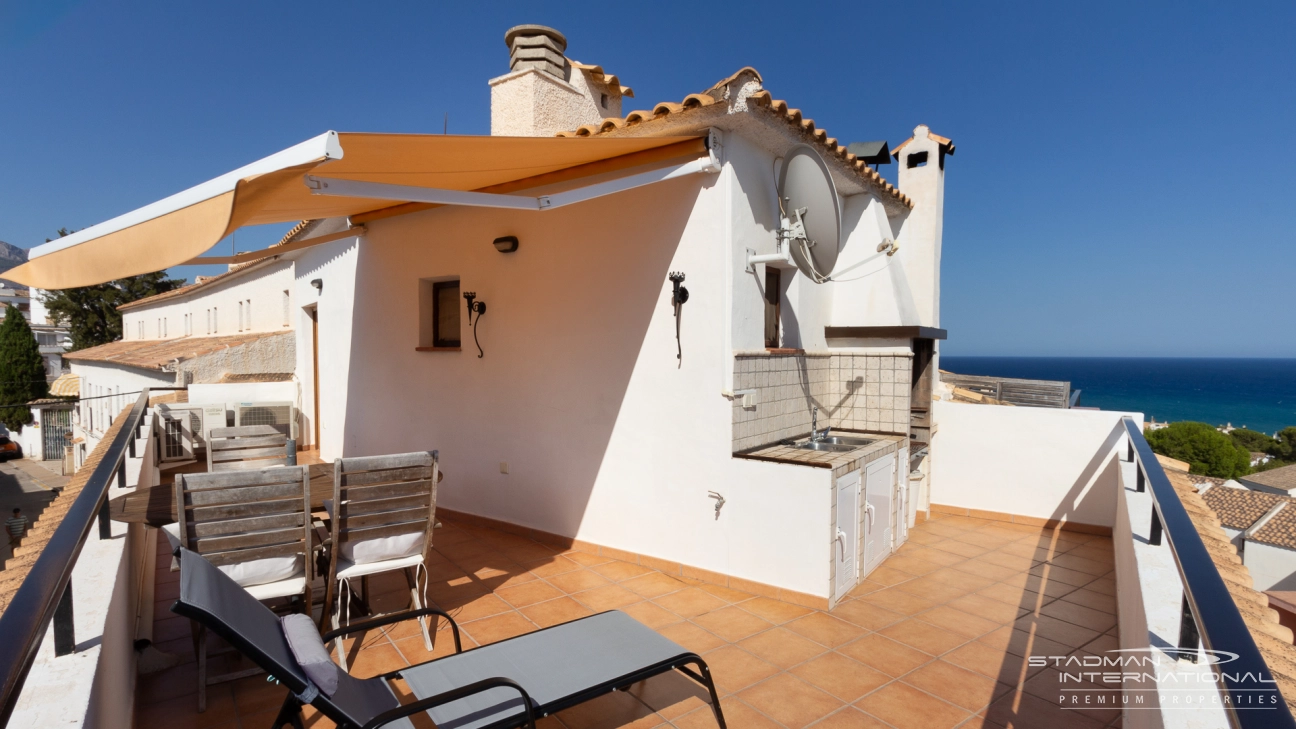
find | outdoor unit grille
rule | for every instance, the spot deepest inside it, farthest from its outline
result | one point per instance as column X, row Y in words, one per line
column 281, row 415
column 196, row 419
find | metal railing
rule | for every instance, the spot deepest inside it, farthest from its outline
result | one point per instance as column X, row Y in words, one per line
column 46, row 592
column 1208, row 611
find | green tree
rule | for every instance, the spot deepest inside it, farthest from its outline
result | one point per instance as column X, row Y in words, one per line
column 1208, row 451
column 22, row 371
column 90, row 312
column 1284, row 447
column 1252, row 440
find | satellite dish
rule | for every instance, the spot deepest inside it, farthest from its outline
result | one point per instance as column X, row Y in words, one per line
column 811, row 214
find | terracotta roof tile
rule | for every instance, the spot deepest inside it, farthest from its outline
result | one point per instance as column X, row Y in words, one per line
column 1239, row 508
column 1278, row 478
column 153, row 354
column 203, row 282
column 1280, row 530
column 758, row 102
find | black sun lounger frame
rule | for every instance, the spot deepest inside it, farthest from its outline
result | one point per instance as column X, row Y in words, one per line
column 209, row 597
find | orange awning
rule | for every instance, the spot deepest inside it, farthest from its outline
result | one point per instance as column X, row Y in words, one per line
column 273, row 190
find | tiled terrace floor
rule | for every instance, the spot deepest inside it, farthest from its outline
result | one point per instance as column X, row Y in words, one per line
column 934, row 638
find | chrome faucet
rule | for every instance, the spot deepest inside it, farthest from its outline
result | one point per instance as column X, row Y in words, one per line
column 815, row 434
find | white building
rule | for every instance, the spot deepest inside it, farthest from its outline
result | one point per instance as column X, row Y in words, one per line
column 52, row 337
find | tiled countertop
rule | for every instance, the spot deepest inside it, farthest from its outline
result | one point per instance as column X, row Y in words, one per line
column 828, row 459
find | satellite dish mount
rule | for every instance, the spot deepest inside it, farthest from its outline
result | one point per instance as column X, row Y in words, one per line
column 809, row 233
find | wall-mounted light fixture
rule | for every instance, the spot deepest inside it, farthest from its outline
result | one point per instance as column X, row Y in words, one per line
column 678, row 297
column 318, row 283
column 480, row 308
column 506, row 244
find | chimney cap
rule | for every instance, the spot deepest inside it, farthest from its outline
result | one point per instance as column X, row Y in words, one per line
column 530, row 30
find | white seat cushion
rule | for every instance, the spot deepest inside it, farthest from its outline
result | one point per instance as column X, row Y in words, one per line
column 348, row 570
column 252, row 572
column 380, row 549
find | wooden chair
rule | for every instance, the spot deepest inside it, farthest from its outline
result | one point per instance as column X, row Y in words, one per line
column 255, row 526
column 382, row 512
column 245, row 446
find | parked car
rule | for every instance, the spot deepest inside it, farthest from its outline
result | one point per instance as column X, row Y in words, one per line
column 9, row 449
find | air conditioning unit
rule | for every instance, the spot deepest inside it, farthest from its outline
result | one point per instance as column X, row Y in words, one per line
column 184, row 428
column 281, row 415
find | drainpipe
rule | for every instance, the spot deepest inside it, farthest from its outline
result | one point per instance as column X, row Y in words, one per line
column 726, row 305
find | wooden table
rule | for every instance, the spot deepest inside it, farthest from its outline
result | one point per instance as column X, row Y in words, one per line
column 155, row 506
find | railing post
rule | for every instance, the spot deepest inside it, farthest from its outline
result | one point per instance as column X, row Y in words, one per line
column 1188, row 637
column 1154, row 535
column 64, row 628
column 1130, row 457
column 1140, row 482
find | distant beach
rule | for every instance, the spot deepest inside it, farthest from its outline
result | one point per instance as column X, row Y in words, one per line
column 1257, row 393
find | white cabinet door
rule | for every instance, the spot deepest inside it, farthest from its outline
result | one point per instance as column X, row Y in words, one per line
column 846, row 543
column 902, row 497
column 879, row 480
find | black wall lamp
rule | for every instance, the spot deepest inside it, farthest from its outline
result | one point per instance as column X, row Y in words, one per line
column 678, row 297
column 318, row 283
column 480, row 308
column 506, row 244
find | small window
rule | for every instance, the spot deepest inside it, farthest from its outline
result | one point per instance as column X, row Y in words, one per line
column 287, row 315
column 215, row 320
column 240, row 322
column 917, row 159
column 773, row 295
column 249, row 315
column 445, row 314
column 603, row 100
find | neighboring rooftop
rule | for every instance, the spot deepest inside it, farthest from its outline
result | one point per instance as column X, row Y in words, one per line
column 1239, row 508
column 1280, row 530
column 156, row 354
column 1283, row 478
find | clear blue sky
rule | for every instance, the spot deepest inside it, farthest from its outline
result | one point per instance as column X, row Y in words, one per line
column 1122, row 185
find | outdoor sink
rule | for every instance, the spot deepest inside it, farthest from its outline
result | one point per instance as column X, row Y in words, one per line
column 843, row 440
column 824, row 446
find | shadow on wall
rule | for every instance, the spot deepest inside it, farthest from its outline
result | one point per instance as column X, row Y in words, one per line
column 566, row 327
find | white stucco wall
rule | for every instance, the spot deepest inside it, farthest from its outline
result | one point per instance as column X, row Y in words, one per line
column 99, row 379
column 263, row 284
column 1272, row 567
column 531, row 103
column 1040, row 462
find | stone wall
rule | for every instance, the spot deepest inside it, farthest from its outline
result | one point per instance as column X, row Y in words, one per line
column 273, row 354
column 857, row 391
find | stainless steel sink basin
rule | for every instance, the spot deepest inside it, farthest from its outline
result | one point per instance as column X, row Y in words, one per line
column 825, row 446
column 844, row 440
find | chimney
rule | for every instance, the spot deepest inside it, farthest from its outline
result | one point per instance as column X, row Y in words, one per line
column 921, row 176
column 545, row 92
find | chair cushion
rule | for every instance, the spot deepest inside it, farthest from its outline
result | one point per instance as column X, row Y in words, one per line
column 304, row 641
column 380, row 549
column 252, row 572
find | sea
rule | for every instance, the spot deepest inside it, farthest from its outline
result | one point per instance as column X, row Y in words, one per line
column 1257, row 393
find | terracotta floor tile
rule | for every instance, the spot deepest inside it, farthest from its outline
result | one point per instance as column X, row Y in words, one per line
column 692, row 637
column 932, row 588
column 899, row 601
column 781, row 647
column 1092, row 600
column 375, row 660
column 969, row 690
column 480, row 607
column 1060, row 631
column 1071, row 561
column 959, row 622
column 992, row 663
column 886, row 655
column 553, row 612
column 650, row 614
column 549, row 566
column 653, row 584
column 924, row 636
column 867, row 615
column 939, row 556
column 1010, row 560
column 528, row 593
column 727, row 593
column 824, row 629
column 527, row 552
column 1052, row 573
column 1022, row 643
column 1001, row 613
column 610, row 711
column 586, row 559
column 415, row 651
column 1079, row 615
column 690, row 602
column 578, row 581
column 962, row 549
column 913, row 565
column 671, row 694
column 850, row 718
column 607, row 597
column 906, row 707
column 734, row 669
column 775, row 611
column 732, row 623
column 497, row 628
column 736, row 714
column 982, row 567
column 1104, row 585
column 1016, row 597
column 182, row 711
column 864, row 587
column 618, row 571
column 1018, row 710
column 987, row 539
column 843, row 677
column 884, row 575
column 790, row 701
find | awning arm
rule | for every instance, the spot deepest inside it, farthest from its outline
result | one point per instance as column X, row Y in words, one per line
column 409, row 193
